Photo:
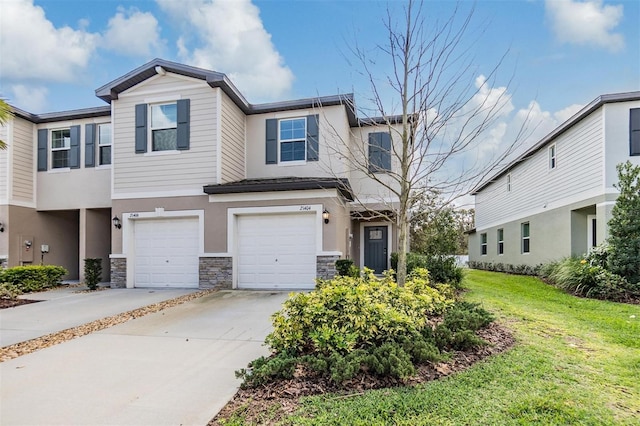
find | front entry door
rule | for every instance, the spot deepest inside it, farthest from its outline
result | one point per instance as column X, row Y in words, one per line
column 375, row 248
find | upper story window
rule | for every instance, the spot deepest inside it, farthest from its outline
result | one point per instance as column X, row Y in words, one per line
column 60, row 148
column 634, row 131
column 524, row 227
column 501, row 241
column 483, row 243
column 293, row 139
column 104, row 144
column 164, row 127
column 379, row 152
column 509, row 182
column 552, row 157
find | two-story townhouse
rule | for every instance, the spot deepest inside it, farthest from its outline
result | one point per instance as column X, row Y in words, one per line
column 55, row 199
column 206, row 189
column 555, row 200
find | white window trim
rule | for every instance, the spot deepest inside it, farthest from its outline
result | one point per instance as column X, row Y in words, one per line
column 552, row 157
column 522, row 238
column 151, row 128
column 52, row 149
column 110, row 144
column 484, row 245
column 280, row 141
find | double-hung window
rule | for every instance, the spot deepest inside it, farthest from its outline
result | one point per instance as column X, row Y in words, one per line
column 501, row 241
column 293, row 139
column 552, row 157
column 104, row 144
column 483, row 243
column 379, row 152
column 60, row 148
column 634, row 131
column 164, row 125
column 525, row 237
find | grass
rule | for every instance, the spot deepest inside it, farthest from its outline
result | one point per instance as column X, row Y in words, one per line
column 577, row 361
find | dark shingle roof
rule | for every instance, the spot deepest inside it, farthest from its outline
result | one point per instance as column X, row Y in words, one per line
column 282, row 184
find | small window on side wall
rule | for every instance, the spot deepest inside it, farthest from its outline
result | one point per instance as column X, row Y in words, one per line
column 500, row 241
column 552, row 157
column 104, row 144
column 509, row 182
column 526, row 247
column 634, row 131
column 483, row 244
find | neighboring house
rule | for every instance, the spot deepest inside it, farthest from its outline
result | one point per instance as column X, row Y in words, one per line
column 555, row 199
column 181, row 182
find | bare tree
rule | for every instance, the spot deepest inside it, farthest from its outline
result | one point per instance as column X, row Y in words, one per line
column 439, row 115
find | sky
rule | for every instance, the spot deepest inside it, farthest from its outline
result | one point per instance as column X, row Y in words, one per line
column 560, row 54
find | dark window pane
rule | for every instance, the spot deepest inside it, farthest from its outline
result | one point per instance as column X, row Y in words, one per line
column 60, row 159
column 525, row 245
column 105, row 155
column 500, row 248
column 164, row 140
column 292, row 151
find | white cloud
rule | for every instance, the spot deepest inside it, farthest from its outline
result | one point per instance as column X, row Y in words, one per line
column 132, row 33
column 31, row 47
column 30, row 98
column 230, row 38
column 586, row 23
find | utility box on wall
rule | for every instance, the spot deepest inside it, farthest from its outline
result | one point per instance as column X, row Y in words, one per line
column 26, row 249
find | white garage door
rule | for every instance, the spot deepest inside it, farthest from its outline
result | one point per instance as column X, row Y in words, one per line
column 277, row 251
column 166, row 253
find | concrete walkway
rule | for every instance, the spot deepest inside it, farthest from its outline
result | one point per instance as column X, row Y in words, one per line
column 174, row 367
column 66, row 307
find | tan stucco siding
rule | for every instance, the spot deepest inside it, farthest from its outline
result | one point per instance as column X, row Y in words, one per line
column 175, row 171
column 22, row 149
column 535, row 188
column 84, row 187
column 233, row 133
column 333, row 143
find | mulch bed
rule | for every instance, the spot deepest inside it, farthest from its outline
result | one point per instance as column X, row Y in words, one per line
column 10, row 303
column 283, row 397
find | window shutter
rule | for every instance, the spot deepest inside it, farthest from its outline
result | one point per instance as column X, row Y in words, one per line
column 379, row 152
column 43, row 136
column 89, row 145
column 74, row 152
column 634, row 131
column 312, row 138
column 385, row 151
column 141, row 128
column 183, row 124
column 272, row 141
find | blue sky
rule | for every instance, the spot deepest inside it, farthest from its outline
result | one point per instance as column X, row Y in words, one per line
column 562, row 53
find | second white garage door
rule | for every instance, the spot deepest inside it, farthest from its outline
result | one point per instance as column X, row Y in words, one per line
column 277, row 251
column 166, row 253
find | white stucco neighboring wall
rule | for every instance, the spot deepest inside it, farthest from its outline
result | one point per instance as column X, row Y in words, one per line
column 617, row 150
column 166, row 173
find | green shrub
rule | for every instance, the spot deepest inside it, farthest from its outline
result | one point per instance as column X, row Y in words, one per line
column 346, row 268
column 92, row 272
column 9, row 291
column 354, row 324
column 587, row 278
column 33, row 278
column 442, row 268
column 506, row 268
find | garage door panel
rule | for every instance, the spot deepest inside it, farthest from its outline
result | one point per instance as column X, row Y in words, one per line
column 166, row 252
column 277, row 251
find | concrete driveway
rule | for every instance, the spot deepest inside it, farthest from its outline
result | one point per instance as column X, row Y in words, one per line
column 173, row 367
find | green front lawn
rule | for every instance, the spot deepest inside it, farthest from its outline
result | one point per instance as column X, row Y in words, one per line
column 577, row 361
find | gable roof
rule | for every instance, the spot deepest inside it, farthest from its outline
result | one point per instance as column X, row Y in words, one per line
column 111, row 90
column 76, row 114
column 577, row 117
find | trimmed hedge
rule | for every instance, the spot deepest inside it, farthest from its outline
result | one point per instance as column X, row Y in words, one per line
column 33, row 278
column 506, row 267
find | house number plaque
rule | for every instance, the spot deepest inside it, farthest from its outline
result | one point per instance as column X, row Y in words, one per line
column 305, row 208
